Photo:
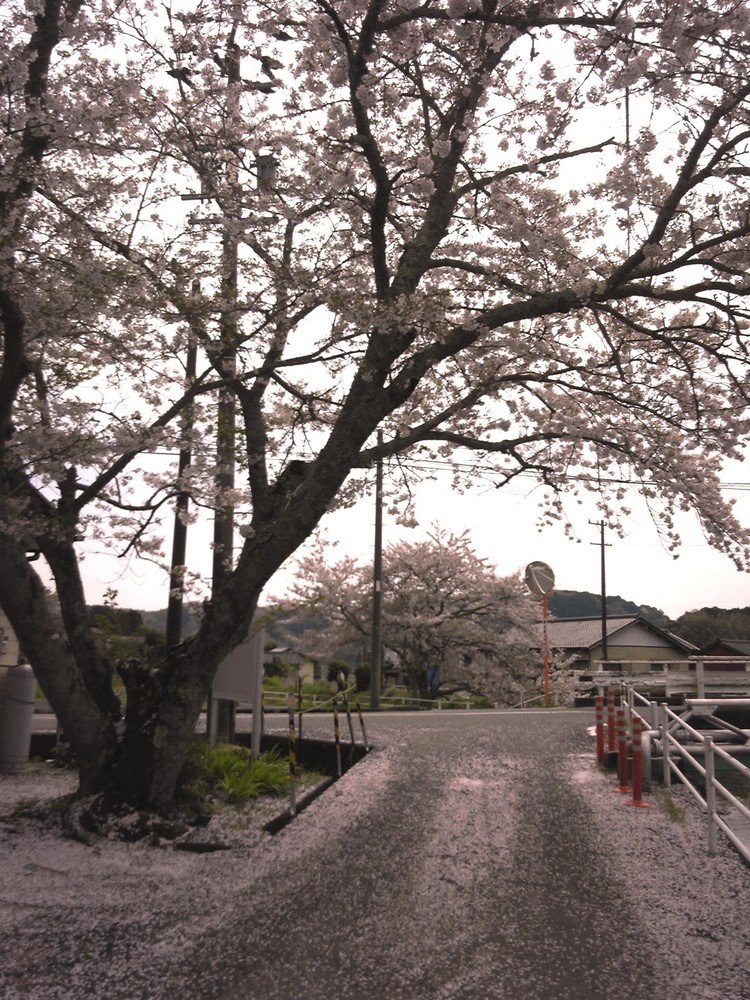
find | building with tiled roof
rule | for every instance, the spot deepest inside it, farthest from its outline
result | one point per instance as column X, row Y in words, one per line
column 630, row 639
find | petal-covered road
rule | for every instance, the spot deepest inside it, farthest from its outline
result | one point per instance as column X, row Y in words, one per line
column 472, row 855
column 475, row 856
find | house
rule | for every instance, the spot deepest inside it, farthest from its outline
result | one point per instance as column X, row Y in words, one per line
column 739, row 648
column 727, row 647
column 633, row 643
column 284, row 656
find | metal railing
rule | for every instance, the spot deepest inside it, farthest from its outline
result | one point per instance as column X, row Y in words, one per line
column 697, row 675
column 662, row 720
column 315, row 702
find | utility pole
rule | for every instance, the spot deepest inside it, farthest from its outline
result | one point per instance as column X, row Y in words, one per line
column 602, row 545
column 377, row 583
column 179, row 536
column 223, row 539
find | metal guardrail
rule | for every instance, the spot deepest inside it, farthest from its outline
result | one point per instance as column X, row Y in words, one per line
column 668, row 724
column 697, row 675
column 314, row 702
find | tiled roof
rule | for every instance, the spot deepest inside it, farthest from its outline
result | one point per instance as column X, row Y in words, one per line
column 741, row 646
column 584, row 633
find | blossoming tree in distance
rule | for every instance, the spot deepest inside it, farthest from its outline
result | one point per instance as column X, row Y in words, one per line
column 516, row 229
column 443, row 607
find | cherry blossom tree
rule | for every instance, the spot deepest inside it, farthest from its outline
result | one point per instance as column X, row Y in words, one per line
column 515, row 229
column 443, row 606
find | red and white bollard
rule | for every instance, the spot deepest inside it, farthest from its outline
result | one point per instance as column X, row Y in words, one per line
column 637, row 799
column 610, row 720
column 599, row 713
column 622, row 751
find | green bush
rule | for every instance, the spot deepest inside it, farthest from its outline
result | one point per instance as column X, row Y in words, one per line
column 278, row 682
column 228, row 772
column 362, row 675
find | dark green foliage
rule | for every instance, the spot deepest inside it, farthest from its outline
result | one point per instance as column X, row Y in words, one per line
column 336, row 667
column 362, row 675
column 583, row 604
column 228, row 772
column 705, row 625
column 116, row 621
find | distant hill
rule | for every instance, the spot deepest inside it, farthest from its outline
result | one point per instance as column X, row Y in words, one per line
column 703, row 626
column 562, row 604
column 583, row 604
column 278, row 633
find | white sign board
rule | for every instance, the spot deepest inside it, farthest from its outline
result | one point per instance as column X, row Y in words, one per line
column 240, row 674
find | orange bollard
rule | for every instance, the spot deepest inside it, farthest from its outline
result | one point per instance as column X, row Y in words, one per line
column 599, row 703
column 622, row 751
column 610, row 720
column 637, row 799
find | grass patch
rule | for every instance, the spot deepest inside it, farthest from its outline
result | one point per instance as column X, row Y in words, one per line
column 673, row 811
column 229, row 773
column 23, row 805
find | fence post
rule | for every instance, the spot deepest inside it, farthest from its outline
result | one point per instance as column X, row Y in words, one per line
column 599, row 703
column 631, row 704
column 622, row 751
column 664, row 735
column 700, row 679
column 337, row 735
column 299, row 707
column 708, row 743
column 362, row 725
column 637, row 799
column 292, row 758
column 610, row 720
column 351, row 727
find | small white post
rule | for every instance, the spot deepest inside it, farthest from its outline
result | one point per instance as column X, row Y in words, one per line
column 664, row 735
column 631, row 703
column 213, row 720
column 700, row 679
column 708, row 742
column 653, row 715
column 257, row 711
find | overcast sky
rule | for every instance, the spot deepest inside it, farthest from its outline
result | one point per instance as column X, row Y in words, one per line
column 503, row 527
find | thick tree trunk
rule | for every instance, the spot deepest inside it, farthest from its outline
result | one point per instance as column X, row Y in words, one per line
column 89, row 729
column 139, row 763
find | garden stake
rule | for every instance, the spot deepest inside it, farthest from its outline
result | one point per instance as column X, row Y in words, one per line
column 637, row 799
column 610, row 720
column 362, row 724
column 351, row 727
column 337, row 736
column 292, row 759
column 622, row 752
column 299, row 707
column 599, row 729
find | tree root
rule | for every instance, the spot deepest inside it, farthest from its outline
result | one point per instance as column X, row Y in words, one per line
column 76, row 820
column 89, row 819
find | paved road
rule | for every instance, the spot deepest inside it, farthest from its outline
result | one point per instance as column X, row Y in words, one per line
column 459, row 860
column 472, row 855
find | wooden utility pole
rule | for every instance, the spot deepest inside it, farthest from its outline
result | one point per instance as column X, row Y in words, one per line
column 377, row 583
column 602, row 545
column 226, row 415
column 179, row 535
